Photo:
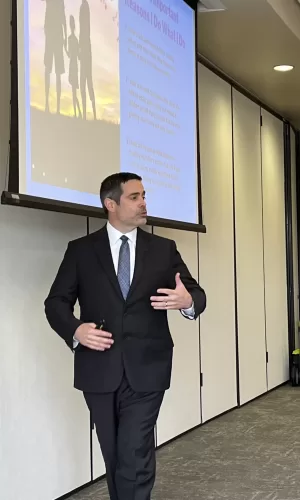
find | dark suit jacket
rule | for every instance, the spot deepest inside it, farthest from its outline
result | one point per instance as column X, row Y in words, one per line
column 142, row 341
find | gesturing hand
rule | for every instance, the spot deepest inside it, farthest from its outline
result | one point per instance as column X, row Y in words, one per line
column 179, row 298
column 90, row 337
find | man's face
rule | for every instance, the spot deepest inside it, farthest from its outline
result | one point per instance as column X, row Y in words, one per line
column 131, row 211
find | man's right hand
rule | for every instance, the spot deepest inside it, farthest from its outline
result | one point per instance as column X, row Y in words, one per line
column 98, row 340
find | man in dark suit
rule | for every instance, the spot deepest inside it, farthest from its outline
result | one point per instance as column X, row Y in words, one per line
column 130, row 279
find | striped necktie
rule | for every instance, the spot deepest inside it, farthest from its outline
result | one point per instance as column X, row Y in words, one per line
column 124, row 267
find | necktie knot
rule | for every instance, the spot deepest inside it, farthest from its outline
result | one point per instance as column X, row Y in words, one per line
column 124, row 238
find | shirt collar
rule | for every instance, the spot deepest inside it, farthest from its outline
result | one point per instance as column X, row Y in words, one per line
column 114, row 235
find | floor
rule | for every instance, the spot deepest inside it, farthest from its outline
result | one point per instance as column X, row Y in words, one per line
column 252, row 453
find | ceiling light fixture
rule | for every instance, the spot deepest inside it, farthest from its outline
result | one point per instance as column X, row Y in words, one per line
column 283, row 67
column 210, row 6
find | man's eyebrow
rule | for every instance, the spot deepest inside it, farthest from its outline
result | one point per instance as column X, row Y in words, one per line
column 134, row 194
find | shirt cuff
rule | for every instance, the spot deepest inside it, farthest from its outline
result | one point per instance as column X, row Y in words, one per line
column 75, row 343
column 189, row 313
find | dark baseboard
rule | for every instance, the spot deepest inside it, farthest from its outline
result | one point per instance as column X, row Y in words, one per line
column 81, row 488
column 265, row 394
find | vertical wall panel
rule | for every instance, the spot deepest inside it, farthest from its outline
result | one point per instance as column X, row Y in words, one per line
column 44, row 424
column 181, row 407
column 98, row 462
column 217, row 325
column 274, row 249
column 295, row 234
column 5, row 27
column 249, row 248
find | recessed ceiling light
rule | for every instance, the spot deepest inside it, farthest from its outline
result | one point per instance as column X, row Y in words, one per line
column 283, row 67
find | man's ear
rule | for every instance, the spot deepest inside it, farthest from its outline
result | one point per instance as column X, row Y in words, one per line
column 110, row 205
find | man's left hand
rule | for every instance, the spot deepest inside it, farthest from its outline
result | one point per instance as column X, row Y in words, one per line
column 179, row 298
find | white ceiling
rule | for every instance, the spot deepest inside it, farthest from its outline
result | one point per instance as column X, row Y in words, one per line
column 247, row 40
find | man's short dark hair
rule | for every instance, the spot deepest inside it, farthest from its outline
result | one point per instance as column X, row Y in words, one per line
column 111, row 187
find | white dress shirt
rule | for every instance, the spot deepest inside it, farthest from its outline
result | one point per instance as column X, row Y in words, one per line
column 115, row 242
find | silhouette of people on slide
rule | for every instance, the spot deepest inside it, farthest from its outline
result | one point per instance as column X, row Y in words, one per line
column 73, row 53
column 55, row 29
column 56, row 41
column 85, row 51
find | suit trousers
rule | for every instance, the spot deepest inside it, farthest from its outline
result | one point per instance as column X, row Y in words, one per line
column 125, row 422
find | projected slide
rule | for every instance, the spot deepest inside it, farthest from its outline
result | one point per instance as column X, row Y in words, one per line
column 108, row 86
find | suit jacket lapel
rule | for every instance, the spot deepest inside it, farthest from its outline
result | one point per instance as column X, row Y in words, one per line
column 142, row 246
column 103, row 251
